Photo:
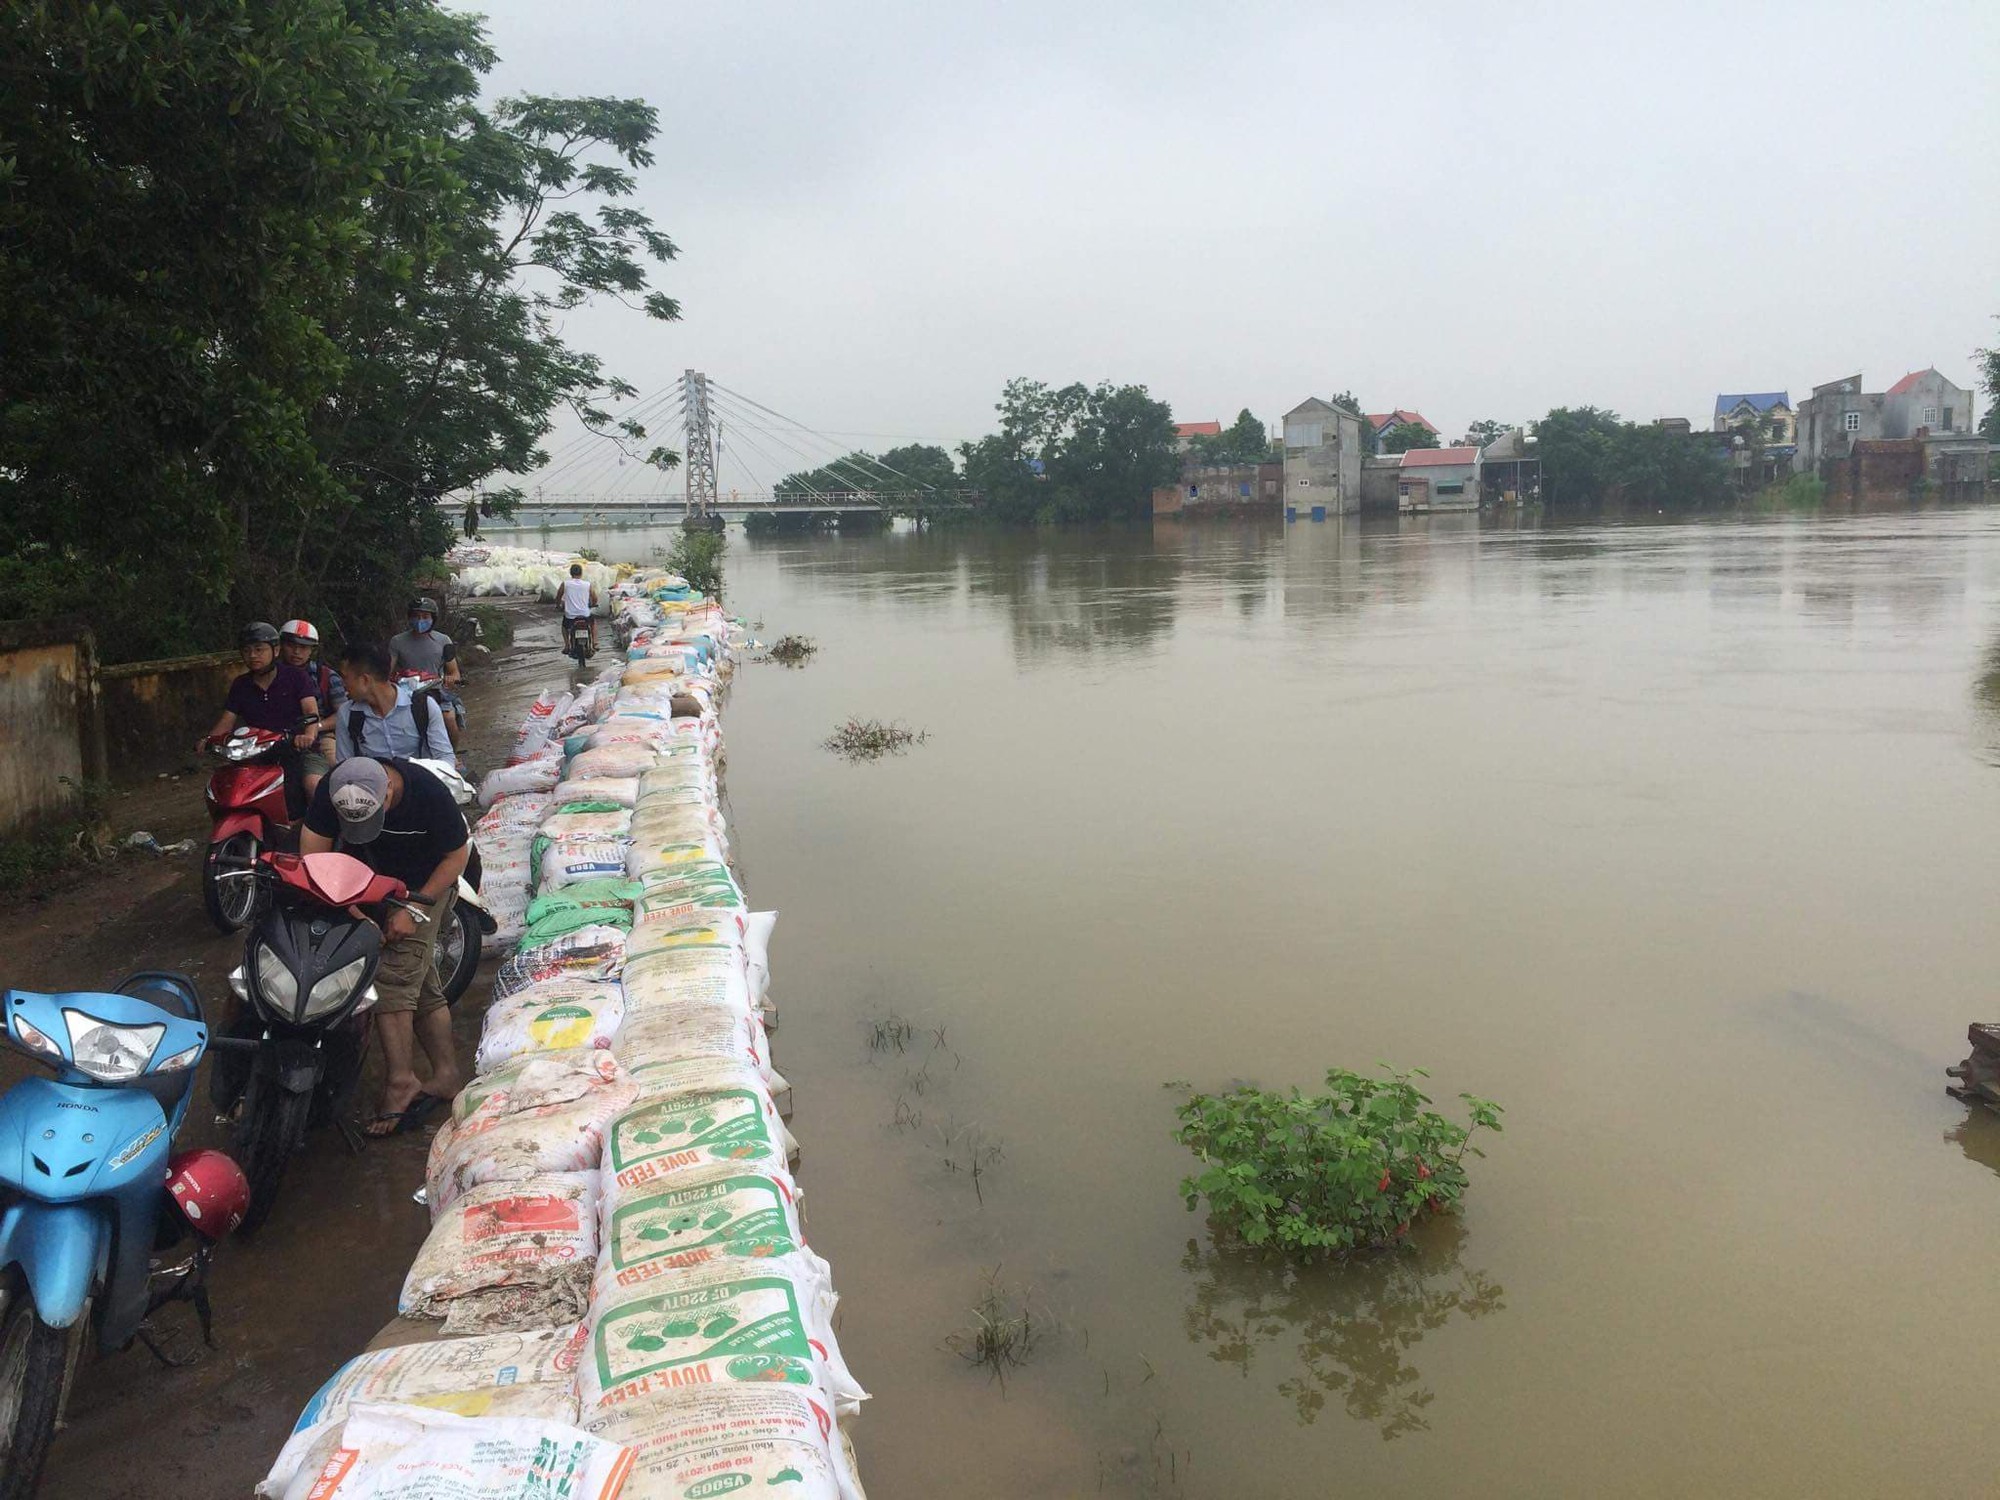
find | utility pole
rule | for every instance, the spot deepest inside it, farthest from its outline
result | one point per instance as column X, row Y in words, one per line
column 700, row 460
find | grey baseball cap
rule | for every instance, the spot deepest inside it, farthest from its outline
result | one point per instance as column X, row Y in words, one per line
column 359, row 791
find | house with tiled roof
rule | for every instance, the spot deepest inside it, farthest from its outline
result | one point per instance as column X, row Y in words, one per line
column 1741, row 410
column 1438, row 479
column 1922, row 431
column 1186, row 432
column 1382, row 421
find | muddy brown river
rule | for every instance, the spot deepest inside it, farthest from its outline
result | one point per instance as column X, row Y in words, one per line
column 1676, row 840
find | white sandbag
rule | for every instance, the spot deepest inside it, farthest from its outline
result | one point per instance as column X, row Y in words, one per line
column 773, row 1439
column 534, row 1240
column 538, row 1078
column 623, row 790
column 757, row 929
column 580, row 820
column 593, row 952
column 617, row 758
column 764, row 1321
column 654, row 858
column 512, row 1147
column 538, row 774
column 513, row 1374
column 414, row 1453
column 565, row 860
column 689, row 1033
column 522, row 810
column 535, row 728
column 692, row 976
column 698, row 1218
column 685, row 887
column 556, row 1013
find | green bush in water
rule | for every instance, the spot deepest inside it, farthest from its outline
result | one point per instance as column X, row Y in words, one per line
column 1317, row 1174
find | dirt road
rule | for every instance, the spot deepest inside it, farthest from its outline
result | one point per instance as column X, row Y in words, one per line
column 322, row 1276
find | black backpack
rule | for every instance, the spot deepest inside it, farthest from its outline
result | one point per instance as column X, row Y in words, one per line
column 427, row 694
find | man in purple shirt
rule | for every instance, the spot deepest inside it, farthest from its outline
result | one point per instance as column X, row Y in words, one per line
column 269, row 695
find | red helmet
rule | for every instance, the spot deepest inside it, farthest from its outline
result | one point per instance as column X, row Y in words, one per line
column 299, row 630
column 210, row 1190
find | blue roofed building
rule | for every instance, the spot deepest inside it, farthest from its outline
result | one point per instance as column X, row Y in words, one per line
column 1739, row 410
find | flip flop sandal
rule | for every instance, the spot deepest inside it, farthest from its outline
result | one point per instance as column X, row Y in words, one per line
column 412, row 1118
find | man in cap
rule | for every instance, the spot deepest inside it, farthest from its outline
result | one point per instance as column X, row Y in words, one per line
column 399, row 820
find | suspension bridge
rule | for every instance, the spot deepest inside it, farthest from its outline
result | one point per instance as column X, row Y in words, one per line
column 738, row 458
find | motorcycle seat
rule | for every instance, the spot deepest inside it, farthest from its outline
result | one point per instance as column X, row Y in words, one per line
column 172, row 992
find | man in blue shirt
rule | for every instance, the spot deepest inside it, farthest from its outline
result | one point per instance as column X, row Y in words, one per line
column 383, row 718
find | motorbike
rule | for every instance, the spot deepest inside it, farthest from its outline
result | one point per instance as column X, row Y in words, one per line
column 84, row 1205
column 459, row 946
column 306, row 985
column 448, row 698
column 254, row 804
column 577, row 642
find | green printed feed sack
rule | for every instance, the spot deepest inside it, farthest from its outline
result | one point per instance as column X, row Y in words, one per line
column 712, row 1325
column 730, row 1213
column 415, row 1453
column 762, row 1442
column 504, row 1375
column 692, row 1115
column 659, row 930
column 687, row 886
column 556, row 1014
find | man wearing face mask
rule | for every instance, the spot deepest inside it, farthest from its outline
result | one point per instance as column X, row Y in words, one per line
column 428, row 651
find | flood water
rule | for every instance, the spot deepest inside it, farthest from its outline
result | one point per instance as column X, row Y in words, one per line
column 1676, row 840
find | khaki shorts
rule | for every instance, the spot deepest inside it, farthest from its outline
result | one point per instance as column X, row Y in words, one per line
column 312, row 763
column 407, row 977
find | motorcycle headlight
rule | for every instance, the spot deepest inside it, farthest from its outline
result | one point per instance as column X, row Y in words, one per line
column 32, row 1037
column 277, row 983
column 239, row 983
column 110, row 1054
column 334, row 988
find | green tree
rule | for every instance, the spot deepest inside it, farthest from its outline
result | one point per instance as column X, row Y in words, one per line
column 182, row 186
column 1244, row 441
column 271, row 286
column 1485, row 431
column 1989, row 368
column 1669, row 470
column 1578, row 447
column 1074, row 453
column 1407, row 435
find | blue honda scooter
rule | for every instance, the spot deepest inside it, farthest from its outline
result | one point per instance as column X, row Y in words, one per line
column 83, row 1199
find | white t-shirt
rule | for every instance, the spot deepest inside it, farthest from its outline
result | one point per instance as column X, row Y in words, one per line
column 575, row 598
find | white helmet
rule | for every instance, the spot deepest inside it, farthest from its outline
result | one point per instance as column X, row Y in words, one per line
column 299, row 630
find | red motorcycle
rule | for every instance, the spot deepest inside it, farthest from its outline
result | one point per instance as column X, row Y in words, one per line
column 255, row 801
column 306, row 986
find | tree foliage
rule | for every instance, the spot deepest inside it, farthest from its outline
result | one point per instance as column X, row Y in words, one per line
column 271, row 285
column 1404, row 436
column 1590, row 457
column 1074, row 453
column 1989, row 377
column 1485, row 431
column 1244, row 441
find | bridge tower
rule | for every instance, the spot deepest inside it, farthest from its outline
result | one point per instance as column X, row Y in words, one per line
column 699, row 462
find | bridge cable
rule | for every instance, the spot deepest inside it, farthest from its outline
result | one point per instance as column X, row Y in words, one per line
column 887, row 468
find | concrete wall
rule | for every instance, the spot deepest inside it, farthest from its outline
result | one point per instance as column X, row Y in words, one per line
column 1378, row 481
column 1873, row 469
column 46, row 737
column 154, row 709
column 1419, row 488
column 1326, row 476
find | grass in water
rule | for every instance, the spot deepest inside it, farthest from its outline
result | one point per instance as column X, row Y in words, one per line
column 1004, row 1330
column 794, row 650
column 871, row 739
column 890, row 1033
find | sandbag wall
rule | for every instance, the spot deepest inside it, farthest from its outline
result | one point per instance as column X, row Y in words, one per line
column 616, row 1259
column 488, row 572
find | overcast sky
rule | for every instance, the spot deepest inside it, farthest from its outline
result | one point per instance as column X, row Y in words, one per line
column 887, row 209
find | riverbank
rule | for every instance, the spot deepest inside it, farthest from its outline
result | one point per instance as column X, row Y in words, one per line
column 291, row 1303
